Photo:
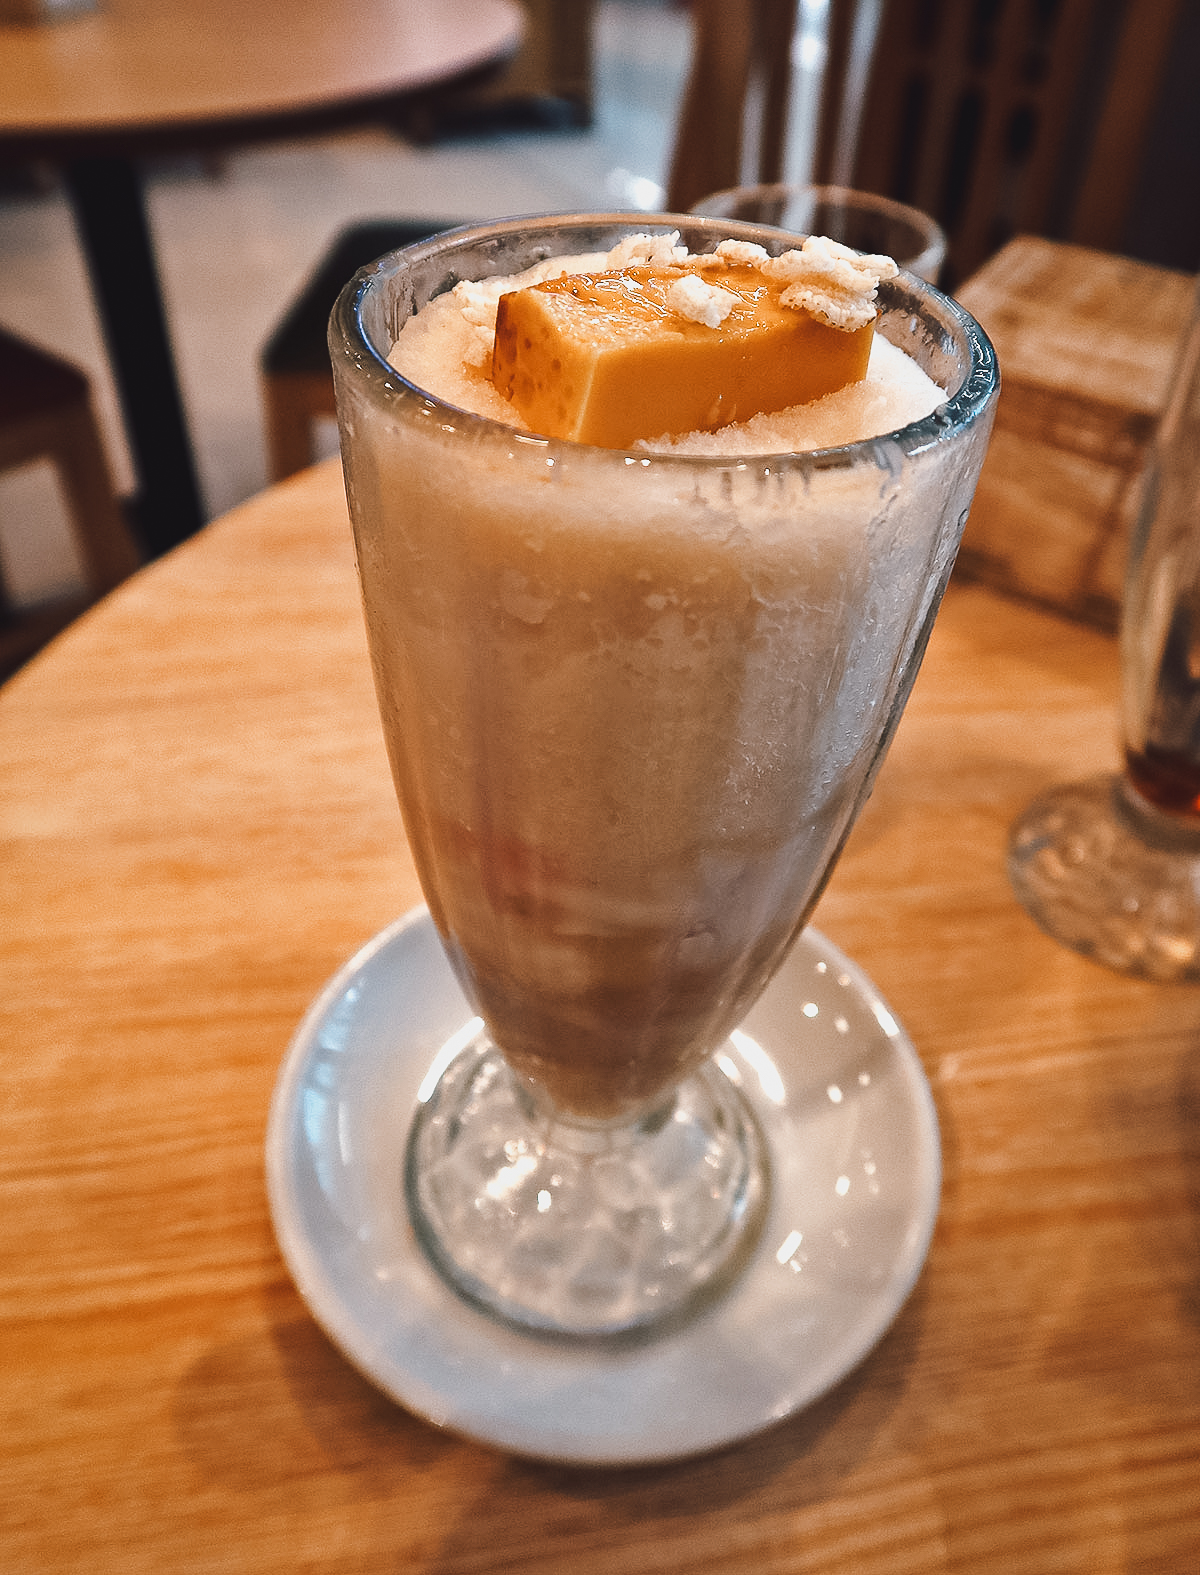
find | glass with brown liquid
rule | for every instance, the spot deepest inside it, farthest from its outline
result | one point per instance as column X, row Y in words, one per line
column 1111, row 866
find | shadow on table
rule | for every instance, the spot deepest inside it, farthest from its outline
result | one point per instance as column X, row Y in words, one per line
column 276, row 1421
column 267, row 1413
column 747, row 1494
column 832, row 1436
column 1188, row 1116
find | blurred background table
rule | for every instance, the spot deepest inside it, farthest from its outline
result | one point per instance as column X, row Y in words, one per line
column 101, row 90
column 197, row 827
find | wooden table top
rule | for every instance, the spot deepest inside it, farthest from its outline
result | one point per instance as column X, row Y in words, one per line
column 197, row 827
column 135, row 68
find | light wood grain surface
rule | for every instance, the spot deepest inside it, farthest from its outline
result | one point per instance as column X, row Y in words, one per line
column 197, row 827
column 151, row 64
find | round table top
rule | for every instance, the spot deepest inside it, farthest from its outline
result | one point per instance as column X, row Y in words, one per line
column 197, row 827
column 148, row 69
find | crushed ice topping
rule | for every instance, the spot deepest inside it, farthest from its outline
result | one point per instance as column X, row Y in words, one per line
column 700, row 302
column 835, row 283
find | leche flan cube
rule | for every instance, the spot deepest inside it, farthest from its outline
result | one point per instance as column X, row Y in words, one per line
column 651, row 350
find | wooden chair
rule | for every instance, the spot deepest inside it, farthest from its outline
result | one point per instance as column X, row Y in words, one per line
column 296, row 377
column 741, row 53
column 46, row 413
column 995, row 116
column 554, row 62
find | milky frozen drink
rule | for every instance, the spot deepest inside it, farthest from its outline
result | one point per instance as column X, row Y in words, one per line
column 633, row 697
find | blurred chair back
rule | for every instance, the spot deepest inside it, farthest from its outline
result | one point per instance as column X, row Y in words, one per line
column 1002, row 117
column 46, row 415
column 997, row 117
column 741, row 56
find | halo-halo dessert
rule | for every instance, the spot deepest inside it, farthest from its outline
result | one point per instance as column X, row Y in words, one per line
column 571, row 857
column 633, row 697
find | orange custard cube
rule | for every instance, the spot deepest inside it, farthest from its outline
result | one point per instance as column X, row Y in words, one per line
column 606, row 359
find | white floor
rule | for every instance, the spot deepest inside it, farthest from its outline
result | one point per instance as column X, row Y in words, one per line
column 235, row 247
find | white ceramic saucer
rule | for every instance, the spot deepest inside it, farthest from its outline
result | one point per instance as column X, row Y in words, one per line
column 853, row 1141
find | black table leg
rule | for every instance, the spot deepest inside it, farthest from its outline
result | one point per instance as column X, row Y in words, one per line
column 110, row 212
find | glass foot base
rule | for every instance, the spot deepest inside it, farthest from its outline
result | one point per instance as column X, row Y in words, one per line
column 1111, row 877
column 850, row 1130
column 583, row 1229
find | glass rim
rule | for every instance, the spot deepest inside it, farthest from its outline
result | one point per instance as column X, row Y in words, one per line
column 928, row 235
column 350, row 341
column 835, row 196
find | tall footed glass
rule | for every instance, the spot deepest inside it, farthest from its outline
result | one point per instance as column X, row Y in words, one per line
column 1111, row 865
column 633, row 705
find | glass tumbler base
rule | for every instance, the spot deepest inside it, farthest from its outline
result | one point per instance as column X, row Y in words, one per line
column 1110, row 876
column 577, row 1228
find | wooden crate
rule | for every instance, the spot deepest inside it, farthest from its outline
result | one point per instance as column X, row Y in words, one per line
column 1086, row 342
